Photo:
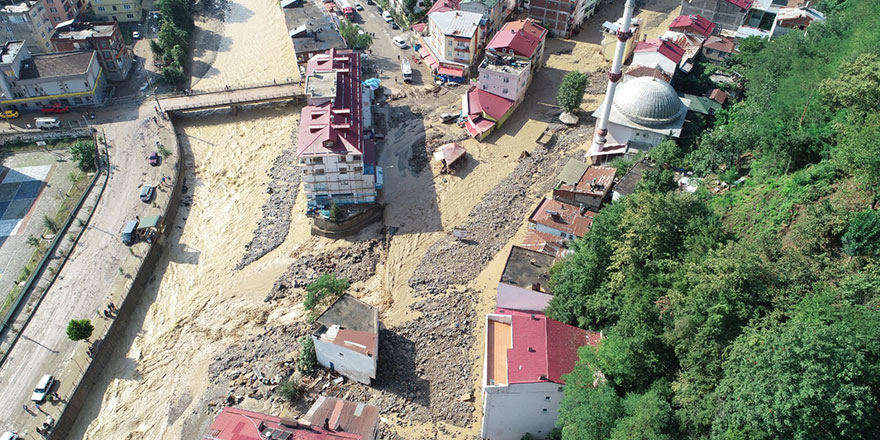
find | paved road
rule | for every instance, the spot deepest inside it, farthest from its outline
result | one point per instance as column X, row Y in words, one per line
column 82, row 287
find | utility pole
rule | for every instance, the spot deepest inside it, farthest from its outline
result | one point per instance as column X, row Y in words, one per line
column 155, row 96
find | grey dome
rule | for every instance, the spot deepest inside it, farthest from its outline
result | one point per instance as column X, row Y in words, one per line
column 648, row 101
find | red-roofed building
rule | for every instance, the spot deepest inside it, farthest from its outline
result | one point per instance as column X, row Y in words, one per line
column 717, row 95
column 238, row 424
column 338, row 163
column 693, row 24
column 590, row 191
column 634, row 71
column 522, row 39
column 524, row 364
column 726, row 14
column 547, row 244
column 658, row 53
column 484, row 112
column 561, row 219
column 717, row 49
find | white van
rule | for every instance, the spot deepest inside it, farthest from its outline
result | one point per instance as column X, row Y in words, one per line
column 387, row 16
column 47, row 123
column 399, row 42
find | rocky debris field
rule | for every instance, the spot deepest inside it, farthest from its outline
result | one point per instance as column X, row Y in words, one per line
column 354, row 263
column 491, row 223
column 273, row 226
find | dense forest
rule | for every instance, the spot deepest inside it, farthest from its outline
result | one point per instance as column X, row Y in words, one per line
column 752, row 313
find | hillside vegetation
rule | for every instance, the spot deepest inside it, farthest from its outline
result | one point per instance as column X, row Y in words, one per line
column 754, row 313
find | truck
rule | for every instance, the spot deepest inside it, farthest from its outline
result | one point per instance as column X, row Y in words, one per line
column 346, row 9
column 406, row 70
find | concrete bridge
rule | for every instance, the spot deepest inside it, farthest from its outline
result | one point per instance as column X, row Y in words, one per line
column 232, row 97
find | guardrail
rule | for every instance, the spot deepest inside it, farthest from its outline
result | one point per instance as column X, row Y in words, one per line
column 178, row 93
column 224, row 102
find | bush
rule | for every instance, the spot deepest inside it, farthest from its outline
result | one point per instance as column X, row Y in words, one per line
column 290, row 390
column 325, row 286
column 336, row 213
column 156, row 48
column 862, row 237
column 571, row 91
column 84, row 153
column 50, row 224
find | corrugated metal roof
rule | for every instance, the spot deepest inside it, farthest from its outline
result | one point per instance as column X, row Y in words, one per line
column 572, row 171
column 457, row 23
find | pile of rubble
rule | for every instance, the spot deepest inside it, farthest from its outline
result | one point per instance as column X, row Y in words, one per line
column 491, row 223
column 354, row 263
column 275, row 223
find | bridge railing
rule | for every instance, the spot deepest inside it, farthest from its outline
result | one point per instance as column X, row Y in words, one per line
column 224, row 102
column 286, row 82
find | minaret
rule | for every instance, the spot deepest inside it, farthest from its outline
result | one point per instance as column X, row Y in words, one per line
column 623, row 34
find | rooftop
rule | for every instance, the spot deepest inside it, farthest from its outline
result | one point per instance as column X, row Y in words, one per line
column 444, row 5
column 9, row 51
column 481, row 101
column 665, row 48
column 538, row 349
column 457, row 23
column 572, row 171
column 55, row 65
column 721, row 44
column 544, row 243
column 514, row 298
column 596, row 181
column 313, row 34
column 702, row 104
column 695, row 23
column 521, row 37
column 332, row 127
column 562, row 217
column 352, row 324
column 238, row 424
column 627, row 183
column 636, row 71
column 527, row 268
column 342, row 415
column 717, row 95
column 648, row 104
column 81, row 31
column 498, row 65
column 18, row 8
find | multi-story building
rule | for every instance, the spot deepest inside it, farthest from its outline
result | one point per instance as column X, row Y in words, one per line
column 453, row 43
column 27, row 21
column 493, row 12
column 727, row 14
column 521, row 39
column 503, row 77
column 526, row 357
column 338, row 163
column 30, row 81
column 105, row 38
column 60, row 11
column 117, row 10
column 562, row 18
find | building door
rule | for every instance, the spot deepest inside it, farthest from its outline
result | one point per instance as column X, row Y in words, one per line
column 331, row 366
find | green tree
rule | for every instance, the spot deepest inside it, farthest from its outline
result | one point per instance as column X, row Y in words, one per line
column 666, row 153
column 855, row 87
column 354, row 37
column 587, row 412
column 308, row 359
column 815, row 376
column 571, row 91
column 79, row 329
column 336, row 214
column 170, row 36
column 173, row 74
column 648, row 417
column 325, row 286
column 84, row 153
column 657, row 180
column 178, row 13
column 290, row 390
column 862, row 237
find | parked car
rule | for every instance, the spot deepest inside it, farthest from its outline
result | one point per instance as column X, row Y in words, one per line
column 55, row 108
column 448, row 118
column 9, row 114
column 379, row 9
column 154, row 159
column 47, row 123
column 136, row 35
column 147, row 193
column 358, row 7
column 369, row 2
column 9, row 436
column 387, row 16
column 399, row 42
column 394, row 26
column 44, row 386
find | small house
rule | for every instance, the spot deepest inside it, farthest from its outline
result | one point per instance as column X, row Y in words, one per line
column 348, row 339
column 528, row 269
column 339, row 415
column 561, row 219
column 589, row 191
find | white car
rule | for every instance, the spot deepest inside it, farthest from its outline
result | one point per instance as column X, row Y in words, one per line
column 135, row 35
column 43, row 387
column 387, row 16
column 9, row 436
column 399, row 42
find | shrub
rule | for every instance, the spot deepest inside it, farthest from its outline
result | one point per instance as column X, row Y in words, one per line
column 79, row 329
column 862, row 237
column 308, row 360
column 290, row 390
column 325, row 286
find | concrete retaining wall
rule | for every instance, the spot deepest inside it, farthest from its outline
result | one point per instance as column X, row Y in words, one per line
column 352, row 225
column 126, row 294
column 30, row 136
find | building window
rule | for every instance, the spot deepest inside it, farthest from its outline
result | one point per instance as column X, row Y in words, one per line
column 126, row 6
column 100, row 8
column 87, row 85
column 319, row 172
column 358, row 169
column 485, row 87
column 340, row 355
column 317, row 160
column 344, row 182
column 544, row 410
column 114, row 7
column 129, row 15
column 506, row 80
column 343, row 171
column 504, row 91
column 77, row 100
column 356, row 157
column 53, row 10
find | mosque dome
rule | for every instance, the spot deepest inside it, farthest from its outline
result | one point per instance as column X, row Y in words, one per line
column 648, row 101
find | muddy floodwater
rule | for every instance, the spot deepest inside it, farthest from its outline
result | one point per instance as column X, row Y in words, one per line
column 197, row 304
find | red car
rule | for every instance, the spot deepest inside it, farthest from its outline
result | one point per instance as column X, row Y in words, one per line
column 154, row 159
column 55, row 108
